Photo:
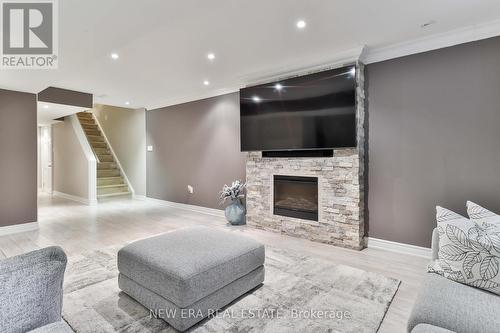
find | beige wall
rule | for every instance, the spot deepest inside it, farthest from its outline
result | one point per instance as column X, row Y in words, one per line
column 70, row 165
column 126, row 131
column 18, row 151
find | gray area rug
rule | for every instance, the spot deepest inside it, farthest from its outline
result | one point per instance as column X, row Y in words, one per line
column 300, row 294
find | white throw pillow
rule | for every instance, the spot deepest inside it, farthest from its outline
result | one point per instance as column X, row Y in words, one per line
column 468, row 253
column 481, row 215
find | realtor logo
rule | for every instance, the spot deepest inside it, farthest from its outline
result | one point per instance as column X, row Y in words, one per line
column 29, row 34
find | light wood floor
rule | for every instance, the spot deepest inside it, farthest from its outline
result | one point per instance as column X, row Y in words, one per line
column 78, row 228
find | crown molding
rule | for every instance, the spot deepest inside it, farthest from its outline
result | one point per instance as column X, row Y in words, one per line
column 433, row 42
column 340, row 59
column 192, row 98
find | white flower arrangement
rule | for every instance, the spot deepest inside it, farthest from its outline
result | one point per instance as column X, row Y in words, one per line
column 233, row 192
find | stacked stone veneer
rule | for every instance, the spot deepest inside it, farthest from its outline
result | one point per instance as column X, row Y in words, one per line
column 340, row 190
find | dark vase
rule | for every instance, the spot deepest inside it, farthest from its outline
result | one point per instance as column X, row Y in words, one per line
column 235, row 212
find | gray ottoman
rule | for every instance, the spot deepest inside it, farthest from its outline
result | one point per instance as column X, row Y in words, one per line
column 184, row 275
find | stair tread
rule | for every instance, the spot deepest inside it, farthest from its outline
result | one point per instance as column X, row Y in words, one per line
column 108, row 172
column 113, row 194
column 113, row 185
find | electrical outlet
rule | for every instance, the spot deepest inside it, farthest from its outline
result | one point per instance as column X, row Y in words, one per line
column 190, row 189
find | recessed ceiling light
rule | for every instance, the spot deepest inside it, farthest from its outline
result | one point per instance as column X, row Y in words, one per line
column 45, row 106
column 211, row 56
column 127, row 103
column 278, row 86
column 301, row 24
column 206, row 82
column 114, row 56
column 256, row 99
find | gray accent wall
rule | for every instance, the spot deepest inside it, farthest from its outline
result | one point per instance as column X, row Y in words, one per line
column 433, row 138
column 197, row 144
column 66, row 97
column 18, row 161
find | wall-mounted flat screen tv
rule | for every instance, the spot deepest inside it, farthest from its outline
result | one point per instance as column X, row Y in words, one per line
column 316, row 111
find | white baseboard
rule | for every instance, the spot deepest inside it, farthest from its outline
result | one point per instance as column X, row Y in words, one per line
column 84, row 201
column 381, row 244
column 193, row 208
column 139, row 196
column 14, row 229
column 373, row 243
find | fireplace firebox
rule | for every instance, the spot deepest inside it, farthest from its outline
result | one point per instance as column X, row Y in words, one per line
column 296, row 197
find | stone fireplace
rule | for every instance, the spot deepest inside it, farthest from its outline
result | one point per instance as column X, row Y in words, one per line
column 317, row 198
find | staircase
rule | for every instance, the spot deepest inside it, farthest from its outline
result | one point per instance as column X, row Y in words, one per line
column 110, row 182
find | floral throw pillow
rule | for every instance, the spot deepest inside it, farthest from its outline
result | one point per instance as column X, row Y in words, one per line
column 469, row 253
column 481, row 215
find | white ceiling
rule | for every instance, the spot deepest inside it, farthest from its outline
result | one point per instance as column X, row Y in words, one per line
column 48, row 112
column 163, row 44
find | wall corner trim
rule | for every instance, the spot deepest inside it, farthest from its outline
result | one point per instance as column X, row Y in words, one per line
column 85, row 201
column 193, row 208
column 382, row 244
column 16, row 228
